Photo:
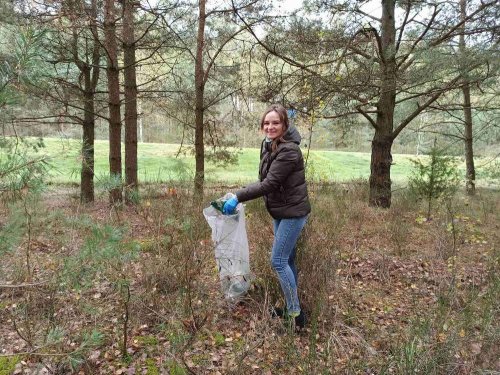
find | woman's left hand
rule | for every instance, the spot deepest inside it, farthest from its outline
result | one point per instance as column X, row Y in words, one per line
column 230, row 206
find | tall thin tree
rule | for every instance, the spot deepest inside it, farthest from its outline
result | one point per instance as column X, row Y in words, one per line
column 211, row 47
column 199, row 81
column 130, row 82
column 470, row 171
column 90, row 71
column 113, row 75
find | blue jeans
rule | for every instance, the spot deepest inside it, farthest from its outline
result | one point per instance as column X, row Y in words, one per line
column 286, row 234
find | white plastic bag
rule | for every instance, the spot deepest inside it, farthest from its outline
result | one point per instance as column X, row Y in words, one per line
column 229, row 235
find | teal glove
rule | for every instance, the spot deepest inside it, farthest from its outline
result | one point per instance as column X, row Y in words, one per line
column 230, row 206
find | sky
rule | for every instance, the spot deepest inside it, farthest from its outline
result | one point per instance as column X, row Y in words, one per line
column 372, row 7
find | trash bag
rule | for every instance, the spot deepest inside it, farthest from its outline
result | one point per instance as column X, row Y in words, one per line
column 229, row 235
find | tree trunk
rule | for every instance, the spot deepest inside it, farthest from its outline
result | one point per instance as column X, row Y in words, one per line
column 470, row 172
column 87, row 173
column 470, row 184
column 130, row 101
column 199, row 145
column 380, row 171
column 112, row 72
column 91, row 78
column 381, row 158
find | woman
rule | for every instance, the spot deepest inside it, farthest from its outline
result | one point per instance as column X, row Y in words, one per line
column 283, row 186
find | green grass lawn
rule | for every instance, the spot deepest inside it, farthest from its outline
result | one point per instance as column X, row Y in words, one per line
column 158, row 163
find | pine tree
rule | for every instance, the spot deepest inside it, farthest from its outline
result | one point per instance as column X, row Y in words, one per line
column 435, row 177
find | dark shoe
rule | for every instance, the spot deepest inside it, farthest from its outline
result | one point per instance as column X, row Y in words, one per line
column 277, row 312
column 300, row 321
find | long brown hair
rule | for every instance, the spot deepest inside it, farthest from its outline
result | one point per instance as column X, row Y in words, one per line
column 283, row 115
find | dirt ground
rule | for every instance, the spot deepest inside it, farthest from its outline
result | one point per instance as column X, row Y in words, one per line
column 385, row 291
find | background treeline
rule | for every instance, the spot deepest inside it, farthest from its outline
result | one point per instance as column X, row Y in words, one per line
column 362, row 76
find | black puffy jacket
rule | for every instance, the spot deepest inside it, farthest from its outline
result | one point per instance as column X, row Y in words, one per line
column 282, row 179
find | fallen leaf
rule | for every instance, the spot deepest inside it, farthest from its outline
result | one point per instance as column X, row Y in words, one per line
column 475, row 348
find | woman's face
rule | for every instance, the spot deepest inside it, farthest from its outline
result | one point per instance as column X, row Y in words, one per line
column 272, row 126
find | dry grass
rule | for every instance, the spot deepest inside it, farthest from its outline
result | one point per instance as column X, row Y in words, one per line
column 385, row 292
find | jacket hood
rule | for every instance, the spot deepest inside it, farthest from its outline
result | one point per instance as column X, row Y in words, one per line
column 292, row 135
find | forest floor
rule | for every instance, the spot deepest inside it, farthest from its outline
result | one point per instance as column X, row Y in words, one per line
column 135, row 290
